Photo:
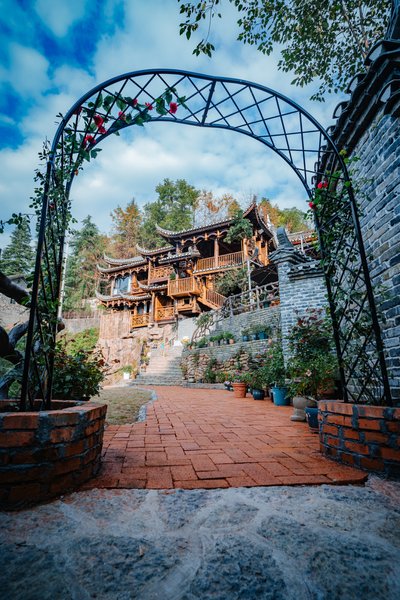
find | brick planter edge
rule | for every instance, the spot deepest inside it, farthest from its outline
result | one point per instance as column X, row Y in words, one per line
column 367, row 437
column 47, row 453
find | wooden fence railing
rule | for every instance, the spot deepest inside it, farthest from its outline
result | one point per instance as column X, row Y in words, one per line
column 140, row 320
column 183, row 286
column 164, row 313
column 234, row 259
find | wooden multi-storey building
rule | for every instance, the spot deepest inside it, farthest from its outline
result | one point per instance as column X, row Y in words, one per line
column 179, row 279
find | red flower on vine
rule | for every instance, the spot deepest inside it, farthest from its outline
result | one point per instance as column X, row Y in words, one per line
column 173, row 107
column 98, row 120
column 312, row 205
column 102, row 130
column 122, row 116
column 149, row 106
column 88, row 139
column 134, row 102
column 322, row 185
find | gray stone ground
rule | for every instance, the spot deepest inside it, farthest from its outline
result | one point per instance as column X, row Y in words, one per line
column 278, row 543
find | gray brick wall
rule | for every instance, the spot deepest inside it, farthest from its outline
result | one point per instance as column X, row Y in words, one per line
column 379, row 173
column 298, row 296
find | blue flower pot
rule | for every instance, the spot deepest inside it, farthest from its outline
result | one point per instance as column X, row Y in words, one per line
column 258, row 394
column 262, row 335
column 312, row 418
column 245, row 338
column 280, row 396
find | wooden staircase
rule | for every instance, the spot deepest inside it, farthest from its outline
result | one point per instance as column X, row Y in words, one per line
column 211, row 299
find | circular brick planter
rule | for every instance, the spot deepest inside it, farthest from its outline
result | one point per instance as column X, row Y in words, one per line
column 367, row 437
column 47, row 453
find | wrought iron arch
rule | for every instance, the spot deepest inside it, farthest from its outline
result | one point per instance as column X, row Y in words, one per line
column 222, row 103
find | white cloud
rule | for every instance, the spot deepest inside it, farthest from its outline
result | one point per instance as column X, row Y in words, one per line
column 135, row 163
column 27, row 72
column 59, row 15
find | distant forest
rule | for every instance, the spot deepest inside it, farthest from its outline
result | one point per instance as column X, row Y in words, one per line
column 178, row 206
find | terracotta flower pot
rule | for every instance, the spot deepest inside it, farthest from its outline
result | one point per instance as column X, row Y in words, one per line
column 239, row 390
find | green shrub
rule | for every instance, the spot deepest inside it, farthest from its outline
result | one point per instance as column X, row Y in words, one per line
column 76, row 376
column 84, row 341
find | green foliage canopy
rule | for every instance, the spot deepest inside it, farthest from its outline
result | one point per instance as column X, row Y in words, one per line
column 319, row 40
column 173, row 210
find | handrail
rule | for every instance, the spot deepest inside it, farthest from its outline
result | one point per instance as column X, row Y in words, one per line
column 183, row 286
column 165, row 312
column 233, row 259
column 140, row 320
column 214, row 298
column 162, row 272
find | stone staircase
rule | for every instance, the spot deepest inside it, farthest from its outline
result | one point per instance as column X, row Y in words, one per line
column 163, row 368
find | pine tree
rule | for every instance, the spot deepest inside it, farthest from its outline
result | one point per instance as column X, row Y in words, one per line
column 17, row 257
column 87, row 248
column 126, row 230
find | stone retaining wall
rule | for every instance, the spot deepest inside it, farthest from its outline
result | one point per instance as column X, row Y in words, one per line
column 367, row 437
column 197, row 361
column 47, row 453
column 236, row 323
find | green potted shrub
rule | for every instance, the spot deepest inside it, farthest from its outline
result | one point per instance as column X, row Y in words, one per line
column 230, row 338
column 245, row 335
column 255, row 379
column 275, row 373
column 312, row 366
column 237, row 380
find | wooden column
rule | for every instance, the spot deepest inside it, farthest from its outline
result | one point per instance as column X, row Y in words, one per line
column 216, row 252
column 152, row 307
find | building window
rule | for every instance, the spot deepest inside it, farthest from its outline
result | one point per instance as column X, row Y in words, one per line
column 122, row 285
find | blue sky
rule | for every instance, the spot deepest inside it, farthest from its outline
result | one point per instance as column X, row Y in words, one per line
column 53, row 51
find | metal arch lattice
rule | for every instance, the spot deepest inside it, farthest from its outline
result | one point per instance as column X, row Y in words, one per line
column 206, row 101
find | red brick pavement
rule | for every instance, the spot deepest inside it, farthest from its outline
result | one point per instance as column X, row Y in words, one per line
column 208, row 439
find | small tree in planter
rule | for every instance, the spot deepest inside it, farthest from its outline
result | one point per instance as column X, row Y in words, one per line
column 275, row 373
column 313, row 365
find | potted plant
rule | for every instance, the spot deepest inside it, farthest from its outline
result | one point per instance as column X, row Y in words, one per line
column 312, row 366
column 245, row 335
column 126, row 372
column 253, row 333
column 229, row 337
column 238, row 383
column 275, row 374
column 256, row 380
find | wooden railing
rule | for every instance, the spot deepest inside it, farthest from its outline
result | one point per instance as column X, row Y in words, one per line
column 140, row 320
column 156, row 273
column 164, row 313
column 214, row 298
column 223, row 261
column 182, row 306
column 179, row 287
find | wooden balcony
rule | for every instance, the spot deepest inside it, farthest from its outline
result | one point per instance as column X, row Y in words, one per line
column 159, row 273
column 165, row 313
column 217, row 263
column 140, row 320
column 191, row 306
column 183, row 287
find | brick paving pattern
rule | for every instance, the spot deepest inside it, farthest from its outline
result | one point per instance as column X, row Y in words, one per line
column 201, row 438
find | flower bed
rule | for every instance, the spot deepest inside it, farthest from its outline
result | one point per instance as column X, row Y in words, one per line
column 47, row 453
column 367, row 437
